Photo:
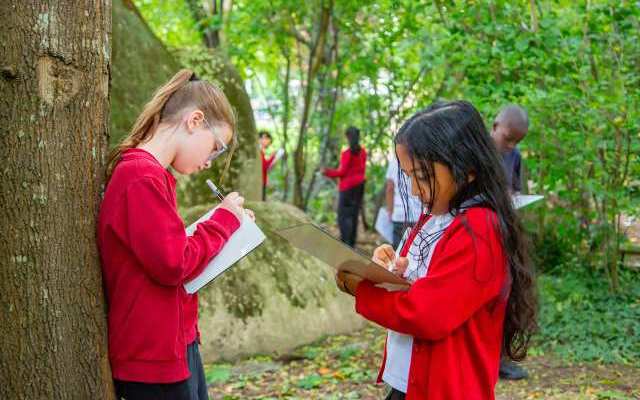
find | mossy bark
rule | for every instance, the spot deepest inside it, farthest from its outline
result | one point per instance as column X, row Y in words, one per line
column 54, row 119
column 140, row 65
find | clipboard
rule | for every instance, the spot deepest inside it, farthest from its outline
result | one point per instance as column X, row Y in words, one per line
column 317, row 242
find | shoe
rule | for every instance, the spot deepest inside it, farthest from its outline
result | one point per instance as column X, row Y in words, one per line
column 512, row 371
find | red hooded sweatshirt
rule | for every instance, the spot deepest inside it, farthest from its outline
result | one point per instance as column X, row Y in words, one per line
column 351, row 170
column 146, row 258
column 267, row 162
column 455, row 313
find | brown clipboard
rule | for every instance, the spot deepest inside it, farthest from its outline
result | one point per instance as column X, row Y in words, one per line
column 317, row 242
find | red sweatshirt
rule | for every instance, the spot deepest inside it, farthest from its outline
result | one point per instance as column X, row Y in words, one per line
column 351, row 170
column 455, row 313
column 146, row 257
column 267, row 162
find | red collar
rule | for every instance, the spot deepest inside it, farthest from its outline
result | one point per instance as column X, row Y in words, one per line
column 412, row 235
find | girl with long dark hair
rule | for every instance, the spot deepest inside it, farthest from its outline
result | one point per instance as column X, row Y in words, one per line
column 472, row 293
column 351, row 173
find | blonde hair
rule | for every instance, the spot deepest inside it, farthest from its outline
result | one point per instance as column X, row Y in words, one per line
column 182, row 91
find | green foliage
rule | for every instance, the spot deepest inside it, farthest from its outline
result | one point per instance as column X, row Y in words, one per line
column 170, row 21
column 581, row 321
column 309, row 382
column 217, row 373
column 573, row 65
column 577, row 75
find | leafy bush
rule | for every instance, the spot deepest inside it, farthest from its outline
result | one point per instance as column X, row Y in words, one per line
column 582, row 321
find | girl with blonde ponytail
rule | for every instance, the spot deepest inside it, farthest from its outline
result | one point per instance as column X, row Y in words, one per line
column 146, row 255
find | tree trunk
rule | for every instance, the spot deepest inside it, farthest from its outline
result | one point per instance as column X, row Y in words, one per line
column 315, row 59
column 54, row 118
column 285, row 128
column 243, row 171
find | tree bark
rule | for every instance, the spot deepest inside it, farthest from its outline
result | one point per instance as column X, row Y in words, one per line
column 54, row 118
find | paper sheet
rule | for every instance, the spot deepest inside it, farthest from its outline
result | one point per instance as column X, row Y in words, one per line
column 523, row 200
column 384, row 226
column 242, row 242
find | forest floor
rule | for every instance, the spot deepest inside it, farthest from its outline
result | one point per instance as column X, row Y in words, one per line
column 345, row 367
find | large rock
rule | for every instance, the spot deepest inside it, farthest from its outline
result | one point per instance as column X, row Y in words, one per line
column 275, row 299
column 140, row 64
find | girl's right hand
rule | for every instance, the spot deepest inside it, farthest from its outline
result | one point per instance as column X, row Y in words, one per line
column 233, row 203
column 384, row 255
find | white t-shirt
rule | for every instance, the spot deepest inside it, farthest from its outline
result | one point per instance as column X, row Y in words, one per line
column 415, row 206
column 399, row 346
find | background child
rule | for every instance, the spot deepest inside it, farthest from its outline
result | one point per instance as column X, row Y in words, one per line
column 509, row 128
column 146, row 255
column 473, row 290
column 267, row 162
column 351, row 172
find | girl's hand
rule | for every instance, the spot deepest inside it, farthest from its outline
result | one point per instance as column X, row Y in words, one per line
column 384, row 255
column 347, row 282
column 233, row 203
column 401, row 265
column 250, row 214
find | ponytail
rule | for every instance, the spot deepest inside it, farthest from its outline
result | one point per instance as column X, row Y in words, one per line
column 182, row 91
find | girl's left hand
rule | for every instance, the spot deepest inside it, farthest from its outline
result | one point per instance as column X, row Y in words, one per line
column 250, row 214
column 347, row 282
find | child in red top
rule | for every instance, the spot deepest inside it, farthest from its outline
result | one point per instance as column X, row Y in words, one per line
column 146, row 254
column 351, row 172
column 267, row 162
column 472, row 292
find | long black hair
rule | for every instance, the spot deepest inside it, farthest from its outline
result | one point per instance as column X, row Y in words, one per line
column 453, row 134
column 353, row 136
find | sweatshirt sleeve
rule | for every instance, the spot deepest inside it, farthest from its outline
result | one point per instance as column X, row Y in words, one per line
column 467, row 274
column 342, row 169
column 158, row 239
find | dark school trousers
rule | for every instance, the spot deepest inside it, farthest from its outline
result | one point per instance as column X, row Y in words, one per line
column 194, row 388
column 349, row 204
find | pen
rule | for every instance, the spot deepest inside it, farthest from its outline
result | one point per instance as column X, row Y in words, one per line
column 214, row 189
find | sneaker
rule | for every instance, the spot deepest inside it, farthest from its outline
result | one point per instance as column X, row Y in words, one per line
column 512, row 371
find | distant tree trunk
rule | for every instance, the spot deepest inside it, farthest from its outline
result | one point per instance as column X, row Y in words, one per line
column 244, row 170
column 210, row 35
column 285, row 126
column 315, row 60
column 54, row 118
column 534, row 17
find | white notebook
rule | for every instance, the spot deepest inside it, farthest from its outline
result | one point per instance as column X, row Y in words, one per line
column 523, row 200
column 242, row 242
